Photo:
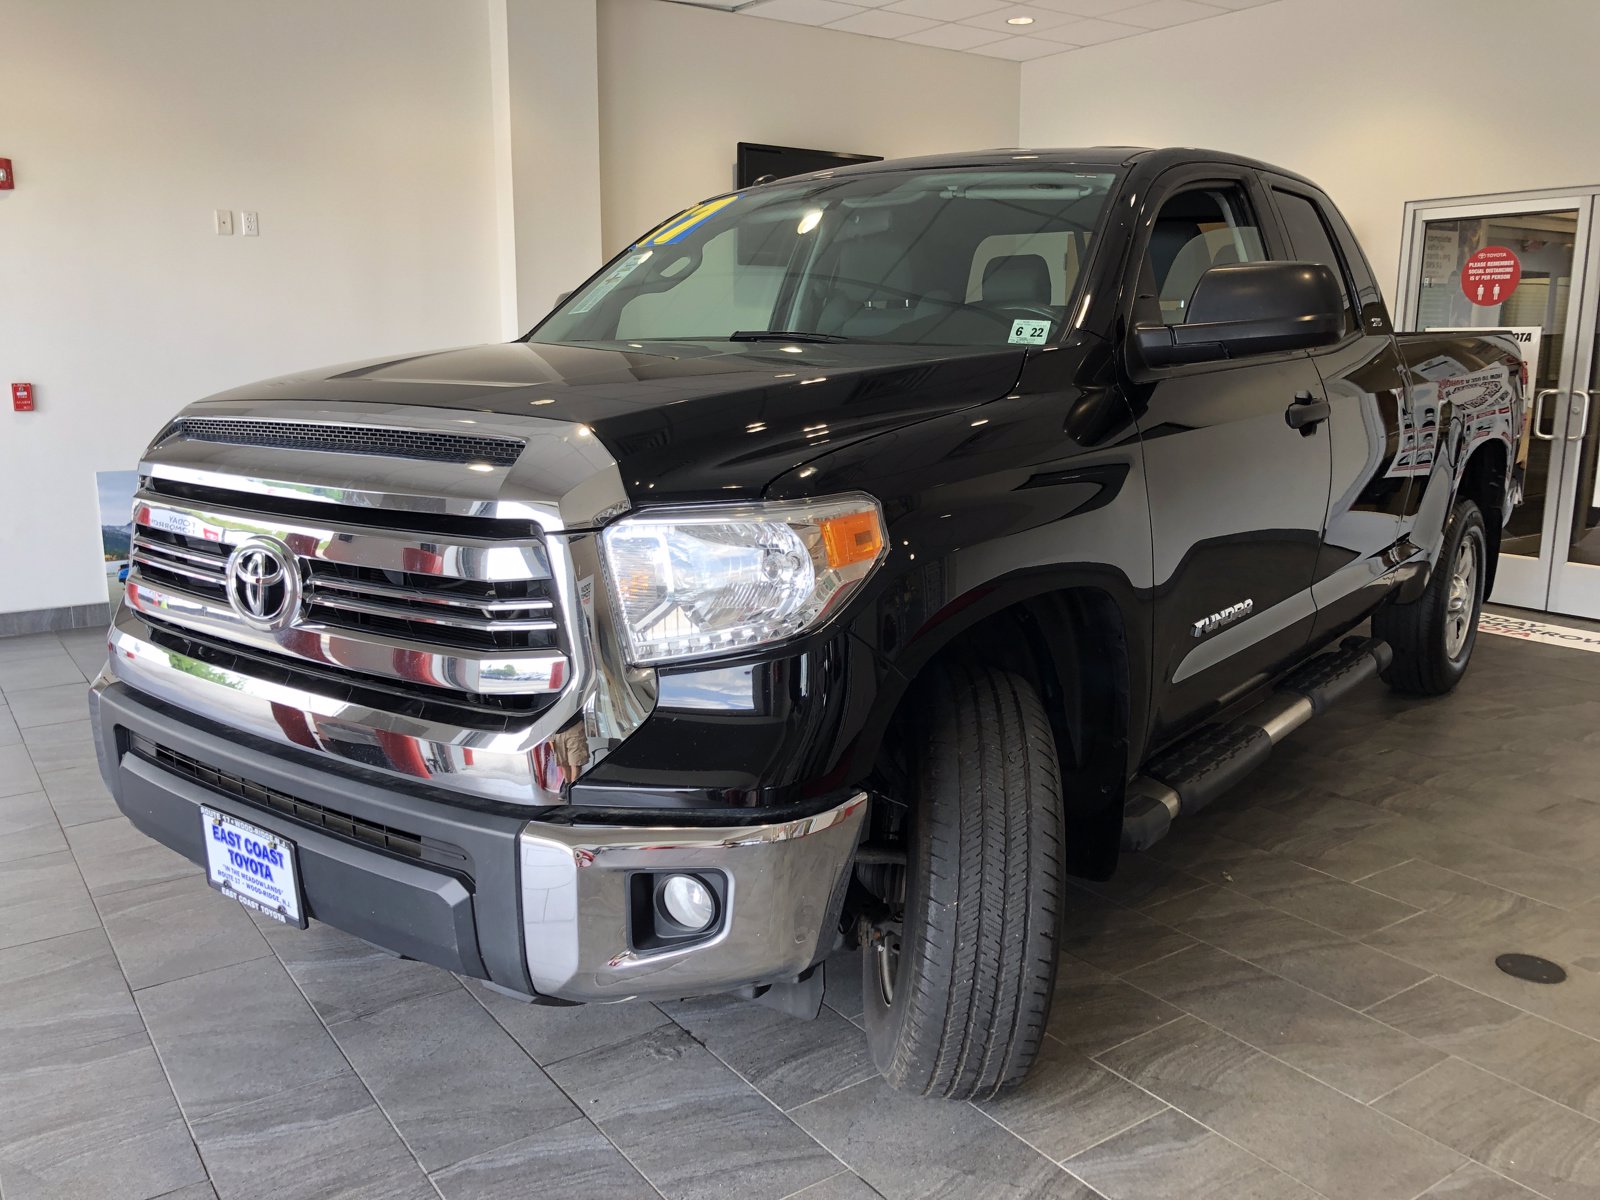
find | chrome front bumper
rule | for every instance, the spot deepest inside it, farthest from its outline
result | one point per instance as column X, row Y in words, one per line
column 785, row 888
column 547, row 906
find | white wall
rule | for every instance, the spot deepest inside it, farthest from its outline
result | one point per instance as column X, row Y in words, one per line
column 681, row 86
column 553, row 145
column 427, row 173
column 1379, row 101
column 359, row 130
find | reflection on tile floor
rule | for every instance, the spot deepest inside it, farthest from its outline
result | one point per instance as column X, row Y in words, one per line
column 1293, row 996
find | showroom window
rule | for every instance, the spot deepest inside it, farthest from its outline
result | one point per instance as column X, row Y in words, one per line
column 1310, row 242
column 1196, row 230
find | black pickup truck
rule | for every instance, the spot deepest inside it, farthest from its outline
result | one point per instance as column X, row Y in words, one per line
column 847, row 563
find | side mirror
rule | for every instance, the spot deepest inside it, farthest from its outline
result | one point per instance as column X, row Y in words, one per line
column 1249, row 308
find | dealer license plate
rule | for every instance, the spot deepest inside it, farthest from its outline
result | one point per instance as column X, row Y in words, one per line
column 255, row 867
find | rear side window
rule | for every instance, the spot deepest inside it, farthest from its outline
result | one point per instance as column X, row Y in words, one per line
column 1196, row 230
column 1310, row 241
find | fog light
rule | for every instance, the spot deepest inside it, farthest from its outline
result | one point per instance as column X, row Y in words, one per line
column 688, row 902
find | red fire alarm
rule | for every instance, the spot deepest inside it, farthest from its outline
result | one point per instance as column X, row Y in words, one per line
column 8, row 177
column 22, row 397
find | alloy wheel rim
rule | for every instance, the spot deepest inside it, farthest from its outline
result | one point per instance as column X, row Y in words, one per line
column 1461, row 598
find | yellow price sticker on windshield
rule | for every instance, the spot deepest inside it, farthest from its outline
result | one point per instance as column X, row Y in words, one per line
column 684, row 223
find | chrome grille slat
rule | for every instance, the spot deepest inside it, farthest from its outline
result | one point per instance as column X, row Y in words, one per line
column 145, row 560
column 217, row 559
column 387, row 442
column 402, row 613
column 384, row 590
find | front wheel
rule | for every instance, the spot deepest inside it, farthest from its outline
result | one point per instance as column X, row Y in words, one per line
column 959, row 968
column 1433, row 636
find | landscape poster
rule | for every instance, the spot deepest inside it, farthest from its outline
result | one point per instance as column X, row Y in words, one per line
column 116, row 490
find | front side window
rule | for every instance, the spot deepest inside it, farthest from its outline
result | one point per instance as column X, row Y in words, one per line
column 1310, row 241
column 955, row 257
column 1196, row 230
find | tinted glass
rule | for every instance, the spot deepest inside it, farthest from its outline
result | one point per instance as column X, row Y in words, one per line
column 1310, row 242
column 1196, row 230
column 931, row 257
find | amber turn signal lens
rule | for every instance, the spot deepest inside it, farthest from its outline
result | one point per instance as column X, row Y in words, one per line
column 853, row 538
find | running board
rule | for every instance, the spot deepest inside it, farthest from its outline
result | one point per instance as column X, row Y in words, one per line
column 1185, row 778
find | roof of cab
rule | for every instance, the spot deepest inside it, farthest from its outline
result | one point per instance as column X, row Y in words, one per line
column 1083, row 156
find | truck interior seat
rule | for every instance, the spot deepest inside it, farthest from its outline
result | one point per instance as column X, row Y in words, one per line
column 1013, row 279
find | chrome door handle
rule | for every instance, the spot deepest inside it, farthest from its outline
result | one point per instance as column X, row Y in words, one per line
column 1538, row 413
column 1583, row 425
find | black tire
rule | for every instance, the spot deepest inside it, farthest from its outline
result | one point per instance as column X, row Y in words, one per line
column 1432, row 646
column 969, row 990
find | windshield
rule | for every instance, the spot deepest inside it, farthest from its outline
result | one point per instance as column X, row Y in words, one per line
column 955, row 257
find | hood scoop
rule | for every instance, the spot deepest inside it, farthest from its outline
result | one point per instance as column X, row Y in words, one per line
column 384, row 441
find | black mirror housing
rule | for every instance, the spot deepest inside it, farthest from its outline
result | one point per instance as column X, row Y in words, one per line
column 1249, row 308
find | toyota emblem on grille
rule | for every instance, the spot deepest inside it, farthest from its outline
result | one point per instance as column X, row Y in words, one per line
column 264, row 584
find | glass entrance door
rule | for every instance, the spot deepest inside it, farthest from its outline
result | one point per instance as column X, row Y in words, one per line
column 1529, row 263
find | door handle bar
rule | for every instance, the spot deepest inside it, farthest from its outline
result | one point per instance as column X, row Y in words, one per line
column 1306, row 413
column 1538, row 413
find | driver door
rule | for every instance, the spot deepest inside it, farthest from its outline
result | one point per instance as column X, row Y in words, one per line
column 1238, row 497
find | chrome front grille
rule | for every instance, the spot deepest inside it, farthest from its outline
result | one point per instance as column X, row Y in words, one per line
column 471, row 614
column 434, row 620
column 424, row 445
column 475, row 617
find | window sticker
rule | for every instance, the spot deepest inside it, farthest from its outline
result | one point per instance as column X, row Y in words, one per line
column 604, row 286
column 1029, row 332
column 682, row 225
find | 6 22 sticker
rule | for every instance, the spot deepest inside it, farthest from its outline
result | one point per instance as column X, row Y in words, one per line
column 1031, row 332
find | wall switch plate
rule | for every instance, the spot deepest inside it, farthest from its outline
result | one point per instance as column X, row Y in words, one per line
column 225, row 222
column 250, row 223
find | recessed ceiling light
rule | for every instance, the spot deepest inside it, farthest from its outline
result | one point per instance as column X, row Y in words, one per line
column 1019, row 20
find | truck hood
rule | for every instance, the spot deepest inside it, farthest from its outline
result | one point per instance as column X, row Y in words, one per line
column 684, row 420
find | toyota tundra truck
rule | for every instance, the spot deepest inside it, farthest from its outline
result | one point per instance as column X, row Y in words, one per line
column 848, row 564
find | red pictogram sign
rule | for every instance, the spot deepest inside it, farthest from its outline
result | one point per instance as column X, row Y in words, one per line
column 1491, row 275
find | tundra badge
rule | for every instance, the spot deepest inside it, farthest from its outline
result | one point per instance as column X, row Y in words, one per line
column 1227, row 616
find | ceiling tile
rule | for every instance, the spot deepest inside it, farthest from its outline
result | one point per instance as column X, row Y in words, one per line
column 945, row 10
column 1088, row 8
column 872, row 3
column 802, row 12
column 1021, row 49
column 954, row 37
column 1000, row 18
column 1239, row 3
column 880, row 22
column 1161, row 14
column 1088, row 32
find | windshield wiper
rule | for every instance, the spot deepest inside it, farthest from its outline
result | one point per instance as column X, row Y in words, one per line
column 782, row 335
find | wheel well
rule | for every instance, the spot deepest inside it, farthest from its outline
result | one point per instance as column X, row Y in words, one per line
column 1483, row 480
column 1071, row 645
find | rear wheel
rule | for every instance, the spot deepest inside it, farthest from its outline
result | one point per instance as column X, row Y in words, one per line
column 959, row 966
column 1433, row 636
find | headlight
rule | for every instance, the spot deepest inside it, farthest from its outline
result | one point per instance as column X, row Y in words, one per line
column 719, row 578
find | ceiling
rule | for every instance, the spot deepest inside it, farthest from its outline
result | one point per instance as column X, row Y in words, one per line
column 997, row 28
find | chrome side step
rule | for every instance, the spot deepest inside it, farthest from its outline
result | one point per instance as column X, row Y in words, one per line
column 1185, row 778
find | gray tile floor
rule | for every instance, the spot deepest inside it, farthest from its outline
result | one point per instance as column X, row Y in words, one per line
column 1293, row 996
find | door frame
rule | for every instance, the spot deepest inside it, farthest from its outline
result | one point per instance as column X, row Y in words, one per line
column 1521, row 580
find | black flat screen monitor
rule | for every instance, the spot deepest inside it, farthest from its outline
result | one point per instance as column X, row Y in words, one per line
column 759, row 162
